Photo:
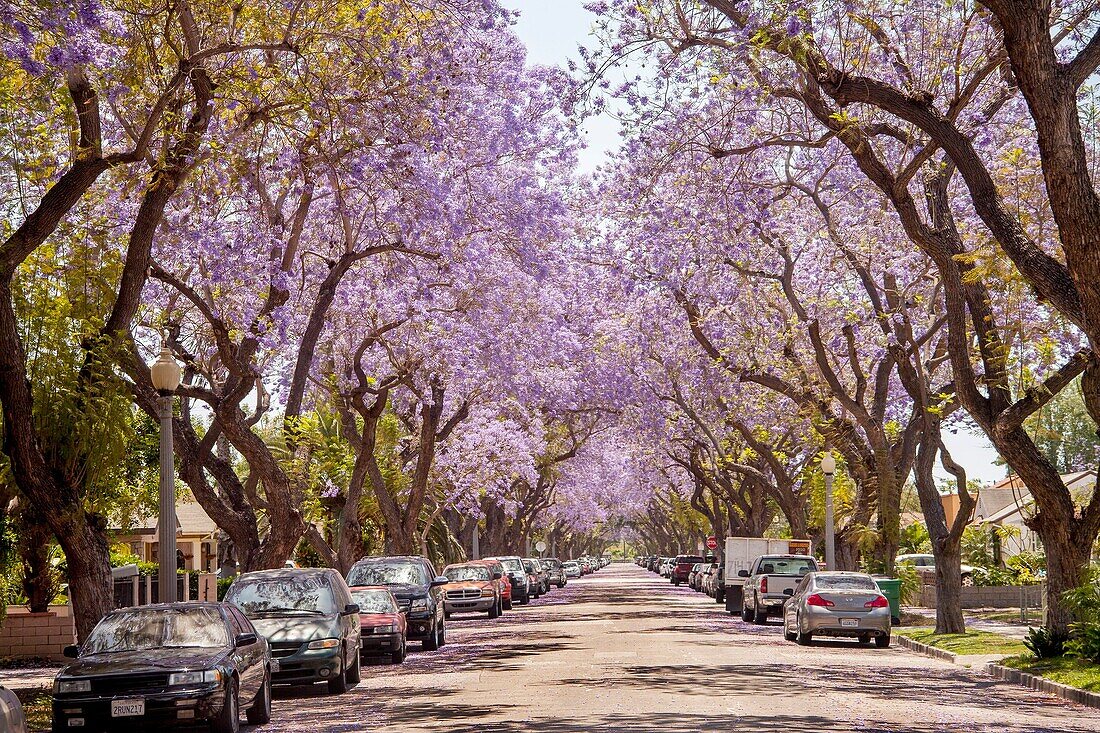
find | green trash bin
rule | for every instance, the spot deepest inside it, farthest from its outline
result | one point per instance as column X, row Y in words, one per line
column 891, row 588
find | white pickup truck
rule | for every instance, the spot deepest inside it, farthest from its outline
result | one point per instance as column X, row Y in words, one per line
column 740, row 554
column 768, row 584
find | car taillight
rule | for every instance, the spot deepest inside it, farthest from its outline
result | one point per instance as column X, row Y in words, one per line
column 879, row 602
column 816, row 600
column 764, row 584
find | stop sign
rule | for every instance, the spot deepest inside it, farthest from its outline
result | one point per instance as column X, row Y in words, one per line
column 712, row 543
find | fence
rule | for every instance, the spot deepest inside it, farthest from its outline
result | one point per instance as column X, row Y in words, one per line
column 993, row 596
column 133, row 589
column 26, row 635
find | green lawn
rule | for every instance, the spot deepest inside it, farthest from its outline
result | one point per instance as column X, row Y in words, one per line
column 1064, row 670
column 972, row 642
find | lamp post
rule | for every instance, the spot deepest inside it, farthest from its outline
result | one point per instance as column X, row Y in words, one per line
column 165, row 374
column 828, row 467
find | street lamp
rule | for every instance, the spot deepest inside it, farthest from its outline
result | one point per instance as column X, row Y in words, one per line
column 828, row 467
column 165, row 374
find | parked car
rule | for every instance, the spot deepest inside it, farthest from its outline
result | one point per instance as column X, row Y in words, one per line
column 695, row 577
column 572, row 569
column 710, row 571
column 770, row 577
column 717, row 583
column 681, row 567
column 418, row 589
column 517, row 575
column 926, row 563
column 310, row 621
column 837, row 604
column 503, row 582
column 166, row 665
column 666, row 567
column 11, row 713
column 557, row 572
column 542, row 574
column 382, row 627
column 471, row 587
column 534, row 578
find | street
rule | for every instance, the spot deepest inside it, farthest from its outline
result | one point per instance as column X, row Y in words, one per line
column 623, row 650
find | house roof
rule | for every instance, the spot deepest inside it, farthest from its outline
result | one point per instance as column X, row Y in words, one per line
column 1016, row 498
column 191, row 519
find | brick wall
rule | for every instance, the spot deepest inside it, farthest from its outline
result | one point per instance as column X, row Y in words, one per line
column 24, row 635
column 994, row 596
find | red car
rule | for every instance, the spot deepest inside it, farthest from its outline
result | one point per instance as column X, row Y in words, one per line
column 383, row 627
column 505, row 585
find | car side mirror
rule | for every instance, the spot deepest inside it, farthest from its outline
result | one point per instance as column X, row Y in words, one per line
column 247, row 639
column 788, row 592
column 742, row 573
column 71, row 652
column 498, row 576
column 440, row 580
column 350, row 609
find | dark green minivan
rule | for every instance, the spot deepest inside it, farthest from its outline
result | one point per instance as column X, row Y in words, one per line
column 310, row 622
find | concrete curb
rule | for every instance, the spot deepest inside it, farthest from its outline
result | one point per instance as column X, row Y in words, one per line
column 928, row 651
column 1010, row 675
column 1042, row 684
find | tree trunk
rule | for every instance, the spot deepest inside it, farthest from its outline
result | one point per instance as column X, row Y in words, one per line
column 89, row 559
column 39, row 582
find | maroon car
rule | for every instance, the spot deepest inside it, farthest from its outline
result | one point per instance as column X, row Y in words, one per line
column 384, row 627
column 681, row 569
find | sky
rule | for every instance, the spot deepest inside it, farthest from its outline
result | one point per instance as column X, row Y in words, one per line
column 552, row 30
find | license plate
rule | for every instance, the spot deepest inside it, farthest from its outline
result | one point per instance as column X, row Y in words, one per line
column 127, row 708
column 849, row 623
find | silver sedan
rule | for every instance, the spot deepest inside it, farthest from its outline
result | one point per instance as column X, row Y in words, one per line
column 837, row 604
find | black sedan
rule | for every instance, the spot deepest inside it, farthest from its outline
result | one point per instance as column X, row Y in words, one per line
column 166, row 665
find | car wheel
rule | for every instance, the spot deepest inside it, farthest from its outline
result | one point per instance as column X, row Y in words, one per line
column 355, row 674
column 508, row 605
column 719, row 597
column 882, row 642
column 338, row 685
column 494, row 612
column 760, row 615
column 260, row 712
column 968, row 581
column 443, row 634
column 746, row 614
column 432, row 642
column 787, row 633
column 398, row 655
column 229, row 719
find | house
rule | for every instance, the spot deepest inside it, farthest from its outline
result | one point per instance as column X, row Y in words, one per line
column 1008, row 503
column 196, row 538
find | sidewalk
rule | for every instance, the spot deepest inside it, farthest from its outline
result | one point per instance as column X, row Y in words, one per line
column 1016, row 631
column 28, row 678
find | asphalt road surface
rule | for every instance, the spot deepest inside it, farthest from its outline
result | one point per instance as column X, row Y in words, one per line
column 624, row 651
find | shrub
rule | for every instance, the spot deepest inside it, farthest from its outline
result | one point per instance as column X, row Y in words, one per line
column 910, row 582
column 223, row 586
column 1085, row 642
column 1044, row 643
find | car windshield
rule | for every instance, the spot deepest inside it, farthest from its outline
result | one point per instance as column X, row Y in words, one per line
column 844, row 582
column 388, row 573
column 157, row 628
column 287, row 594
column 466, row 572
column 529, row 566
column 512, row 565
column 374, row 601
column 786, row 566
column 688, row 559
